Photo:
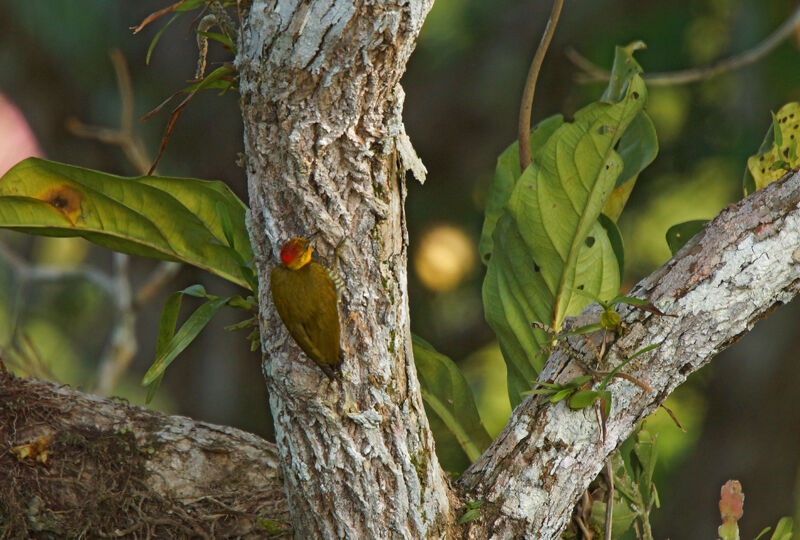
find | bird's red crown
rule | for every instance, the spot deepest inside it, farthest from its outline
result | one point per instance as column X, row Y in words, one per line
column 294, row 252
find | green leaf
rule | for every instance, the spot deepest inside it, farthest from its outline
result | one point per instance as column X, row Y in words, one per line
column 778, row 151
column 158, row 36
column 679, row 234
column 174, row 219
column 469, row 515
column 221, row 38
column 505, row 177
column 456, row 424
column 582, row 399
column 615, row 237
column 547, row 242
column 189, row 5
column 783, row 530
column 645, row 452
column 182, row 338
column 638, row 148
column 623, row 69
column 776, row 129
column 561, row 394
column 557, row 201
column 623, row 516
column 166, row 328
column 213, row 80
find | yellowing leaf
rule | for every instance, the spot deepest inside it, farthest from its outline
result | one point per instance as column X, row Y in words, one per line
column 780, row 153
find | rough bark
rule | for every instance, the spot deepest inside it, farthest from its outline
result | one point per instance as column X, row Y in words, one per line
column 323, row 142
column 746, row 263
column 109, row 469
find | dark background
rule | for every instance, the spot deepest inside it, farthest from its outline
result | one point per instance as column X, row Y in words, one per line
column 463, row 86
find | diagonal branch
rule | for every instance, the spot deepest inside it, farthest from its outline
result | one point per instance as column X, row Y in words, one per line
column 743, row 265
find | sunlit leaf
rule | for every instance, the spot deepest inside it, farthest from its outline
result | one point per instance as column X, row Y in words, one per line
column 506, row 174
column 454, row 419
column 778, row 152
column 548, row 241
column 173, row 219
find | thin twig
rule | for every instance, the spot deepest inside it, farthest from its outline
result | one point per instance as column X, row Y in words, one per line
column 158, row 278
column 593, row 73
column 526, row 106
column 122, row 345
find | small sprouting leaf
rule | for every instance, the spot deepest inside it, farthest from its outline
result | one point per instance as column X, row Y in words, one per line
column 582, row 399
column 182, row 338
column 538, row 392
column 578, row 381
column 469, row 515
column 221, row 38
column 764, row 531
column 643, row 350
column 679, row 234
column 157, row 37
column 561, row 394
column 610, row 320
column 639, row 303
column 456, row 424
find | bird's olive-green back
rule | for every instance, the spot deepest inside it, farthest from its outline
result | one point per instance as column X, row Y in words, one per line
column 306, row 301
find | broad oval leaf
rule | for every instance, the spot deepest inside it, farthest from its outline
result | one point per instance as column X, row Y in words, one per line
column 174, row 219
column 548, row 243
column 505, row 177
column 457, row 427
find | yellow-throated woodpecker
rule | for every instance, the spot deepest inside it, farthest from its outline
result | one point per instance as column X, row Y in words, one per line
column 306, row 297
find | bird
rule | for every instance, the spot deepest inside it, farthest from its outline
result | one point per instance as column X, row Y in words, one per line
column 306, row 298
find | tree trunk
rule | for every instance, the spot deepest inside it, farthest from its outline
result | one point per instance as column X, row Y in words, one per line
column 322, row 112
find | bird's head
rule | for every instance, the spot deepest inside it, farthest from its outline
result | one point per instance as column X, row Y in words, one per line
column 296, row 253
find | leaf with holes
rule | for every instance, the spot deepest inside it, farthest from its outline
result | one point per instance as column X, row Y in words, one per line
column 506, row 175
column 454, row 419
column 549, row 243
column 778, row 152
column 173, row 219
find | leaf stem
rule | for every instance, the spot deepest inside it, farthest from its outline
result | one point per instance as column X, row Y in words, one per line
column 526, row 106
